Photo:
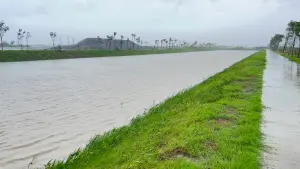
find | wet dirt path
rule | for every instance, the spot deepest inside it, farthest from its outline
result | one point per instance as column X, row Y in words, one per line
column 281, row 121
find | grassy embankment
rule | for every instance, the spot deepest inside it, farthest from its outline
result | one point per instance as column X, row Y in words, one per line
column 17, row 55
column 292, row 58
column 215, row 124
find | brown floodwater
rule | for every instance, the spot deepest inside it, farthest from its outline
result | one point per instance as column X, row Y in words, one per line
column 281, row 125
column 50, row 108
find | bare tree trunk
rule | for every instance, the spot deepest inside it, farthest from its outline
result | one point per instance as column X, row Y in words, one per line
column 21, row 44
column 53, row 45
column 298, row 50
column 295, row 49
column 1, row 43
column 132, row 43
column 293, row 45
column 285, row 44
column 27, row 44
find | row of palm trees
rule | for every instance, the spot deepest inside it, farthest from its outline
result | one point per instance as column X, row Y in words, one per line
column 290, row 39
column 170, row 43
column 164, row 43
column 21, row 34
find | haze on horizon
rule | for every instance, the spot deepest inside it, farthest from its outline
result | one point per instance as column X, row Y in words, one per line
column 225, row 22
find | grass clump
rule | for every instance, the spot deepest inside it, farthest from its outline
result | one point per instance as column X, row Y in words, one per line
column 215, row 124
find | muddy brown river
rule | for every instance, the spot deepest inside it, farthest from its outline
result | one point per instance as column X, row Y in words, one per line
column 50, row 108
column 281, row 124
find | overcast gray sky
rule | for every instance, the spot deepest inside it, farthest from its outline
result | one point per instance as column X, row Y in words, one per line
column 250, row 22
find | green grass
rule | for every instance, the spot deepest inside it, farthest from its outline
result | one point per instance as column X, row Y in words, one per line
column 17, row 55
column 292, row 58
column 215, row 124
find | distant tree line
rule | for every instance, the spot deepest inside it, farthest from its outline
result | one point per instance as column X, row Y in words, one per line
column 291, row 36
column 135, row 43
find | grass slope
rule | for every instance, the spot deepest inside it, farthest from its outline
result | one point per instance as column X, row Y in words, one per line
column 215, row 124
column 290, row 57
column 17, row 55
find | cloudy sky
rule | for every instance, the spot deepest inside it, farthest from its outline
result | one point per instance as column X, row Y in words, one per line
column 228, row 22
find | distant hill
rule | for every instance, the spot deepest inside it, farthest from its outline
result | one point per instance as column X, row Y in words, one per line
column 94, row 43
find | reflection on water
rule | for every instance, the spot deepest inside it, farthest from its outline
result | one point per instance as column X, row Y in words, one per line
column 50, row 108
column 281, row 126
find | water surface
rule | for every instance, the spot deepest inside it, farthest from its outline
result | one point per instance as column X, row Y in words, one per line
column 281, row 125
column 50, row 108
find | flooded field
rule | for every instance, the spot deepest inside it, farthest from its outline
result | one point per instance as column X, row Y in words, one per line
column 50, row 108
column 281, row 125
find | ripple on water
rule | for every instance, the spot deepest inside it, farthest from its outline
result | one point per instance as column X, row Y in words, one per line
column 26, row 145
column 30, row 157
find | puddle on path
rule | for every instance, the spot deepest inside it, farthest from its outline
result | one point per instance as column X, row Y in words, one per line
column 281, row 123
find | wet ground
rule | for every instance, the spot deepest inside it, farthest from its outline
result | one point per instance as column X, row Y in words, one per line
column 281, row 124
column 50, row 108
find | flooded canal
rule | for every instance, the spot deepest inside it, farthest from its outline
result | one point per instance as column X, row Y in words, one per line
column 281, row 125
column 50, row 108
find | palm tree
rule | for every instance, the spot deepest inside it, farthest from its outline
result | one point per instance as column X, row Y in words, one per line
column 127, row 43
column 28, row 35
column 20, row 35
column 161, row 43
column 174, row 44
column 109, row 39
column 53, row 36
column 275, row 41
column 122, row 37
column 12, row 43
column 291, row 26
column 138, row 40
column 156, row 43
column 170, row 41
column 3, row 30
column 98, row 42
column 133, row 37
column 166, row 44
column 194, row 44
column 297, row 33
column 114, row 36
column 289, row 34
column 185, row 44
